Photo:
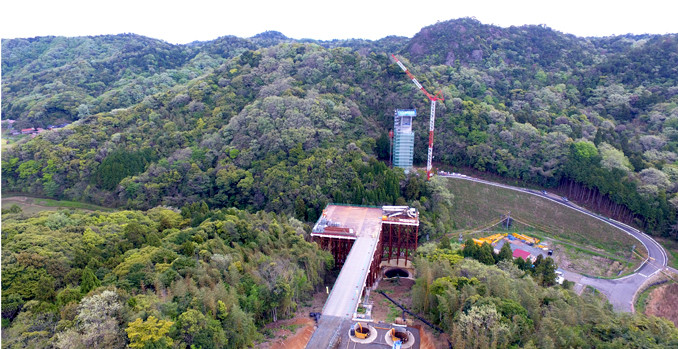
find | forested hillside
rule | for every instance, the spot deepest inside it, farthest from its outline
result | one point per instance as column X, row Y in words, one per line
column 208, row 278
column 258, row 122
column 230, row 146
column 490, row 302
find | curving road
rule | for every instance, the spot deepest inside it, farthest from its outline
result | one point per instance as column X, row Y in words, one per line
column 620, row 292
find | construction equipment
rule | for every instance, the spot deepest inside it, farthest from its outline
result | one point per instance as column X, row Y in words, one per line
column 526, row 239
column 437, row 97
column 492, row 239
column 398, row 334
column 359, row 331
column 478, row 242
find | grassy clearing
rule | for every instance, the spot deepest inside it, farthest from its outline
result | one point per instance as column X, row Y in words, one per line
column 671, row 247
column 33, row 205
column 70, row 204
column 476, row 204
column 673, row 258
column 592, row 264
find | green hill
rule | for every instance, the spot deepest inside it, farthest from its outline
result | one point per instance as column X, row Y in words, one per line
column 258, row 122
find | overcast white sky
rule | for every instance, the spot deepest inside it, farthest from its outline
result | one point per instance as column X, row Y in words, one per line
column 190, row 20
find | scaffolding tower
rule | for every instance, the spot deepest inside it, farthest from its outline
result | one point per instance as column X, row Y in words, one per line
column 403, row 142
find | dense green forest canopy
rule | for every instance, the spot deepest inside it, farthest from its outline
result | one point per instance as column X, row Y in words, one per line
column 151, row 279
column 232, row 145
column 488, row 301
column 520, row 102
column 257, row 122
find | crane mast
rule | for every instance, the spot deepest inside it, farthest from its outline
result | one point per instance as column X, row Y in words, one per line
column 433, row 99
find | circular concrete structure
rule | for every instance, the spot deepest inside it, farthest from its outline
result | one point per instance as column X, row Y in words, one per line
column 371, row 335
column 403, row 334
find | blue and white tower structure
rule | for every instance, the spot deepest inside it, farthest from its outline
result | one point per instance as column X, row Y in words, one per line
column 403, row 138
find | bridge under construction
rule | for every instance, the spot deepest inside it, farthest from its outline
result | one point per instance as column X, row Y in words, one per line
column 362, row 239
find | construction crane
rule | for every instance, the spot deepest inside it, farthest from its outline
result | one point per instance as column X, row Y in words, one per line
column 437, row 97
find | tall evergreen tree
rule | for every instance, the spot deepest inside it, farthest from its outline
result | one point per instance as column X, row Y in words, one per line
column 89, row 281
column 505, row 253
column 486, row 254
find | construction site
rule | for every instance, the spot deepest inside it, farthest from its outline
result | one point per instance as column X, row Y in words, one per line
column 366, row 242
column 522, row 245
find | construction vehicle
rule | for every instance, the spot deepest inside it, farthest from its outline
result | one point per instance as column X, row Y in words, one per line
column 437, row 97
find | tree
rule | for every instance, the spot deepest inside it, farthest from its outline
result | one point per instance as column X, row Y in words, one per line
column 482, row 326
column 199, row 330
column 88, row 281
column 32, row 328
column 98, row 322
column 238, row 326
column 470, row 249
column 299, row 209
column 383, row 147
column 190, row 323
column 135, row 233
column 150, row 333
column 83, row 111
column 505, row 253
column 413, row 187
column 486, row 254
column 445, row 242
column 45, row 291
column 545, row 269
column 521, row 264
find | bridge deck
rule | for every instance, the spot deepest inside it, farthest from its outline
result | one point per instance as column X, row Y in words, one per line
column 346, row 292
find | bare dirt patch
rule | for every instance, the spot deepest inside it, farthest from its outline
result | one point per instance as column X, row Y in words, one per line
column 431, row 340
column 663, row 301
column 584, row 263
column 399, row 290
column 292, row 333
column 385, row 311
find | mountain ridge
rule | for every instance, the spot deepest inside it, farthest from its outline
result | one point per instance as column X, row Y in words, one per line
column 241, row 107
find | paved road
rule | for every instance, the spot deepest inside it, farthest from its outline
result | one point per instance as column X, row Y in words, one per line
column 620, row 292
column 328, row 332
column 346, row 292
